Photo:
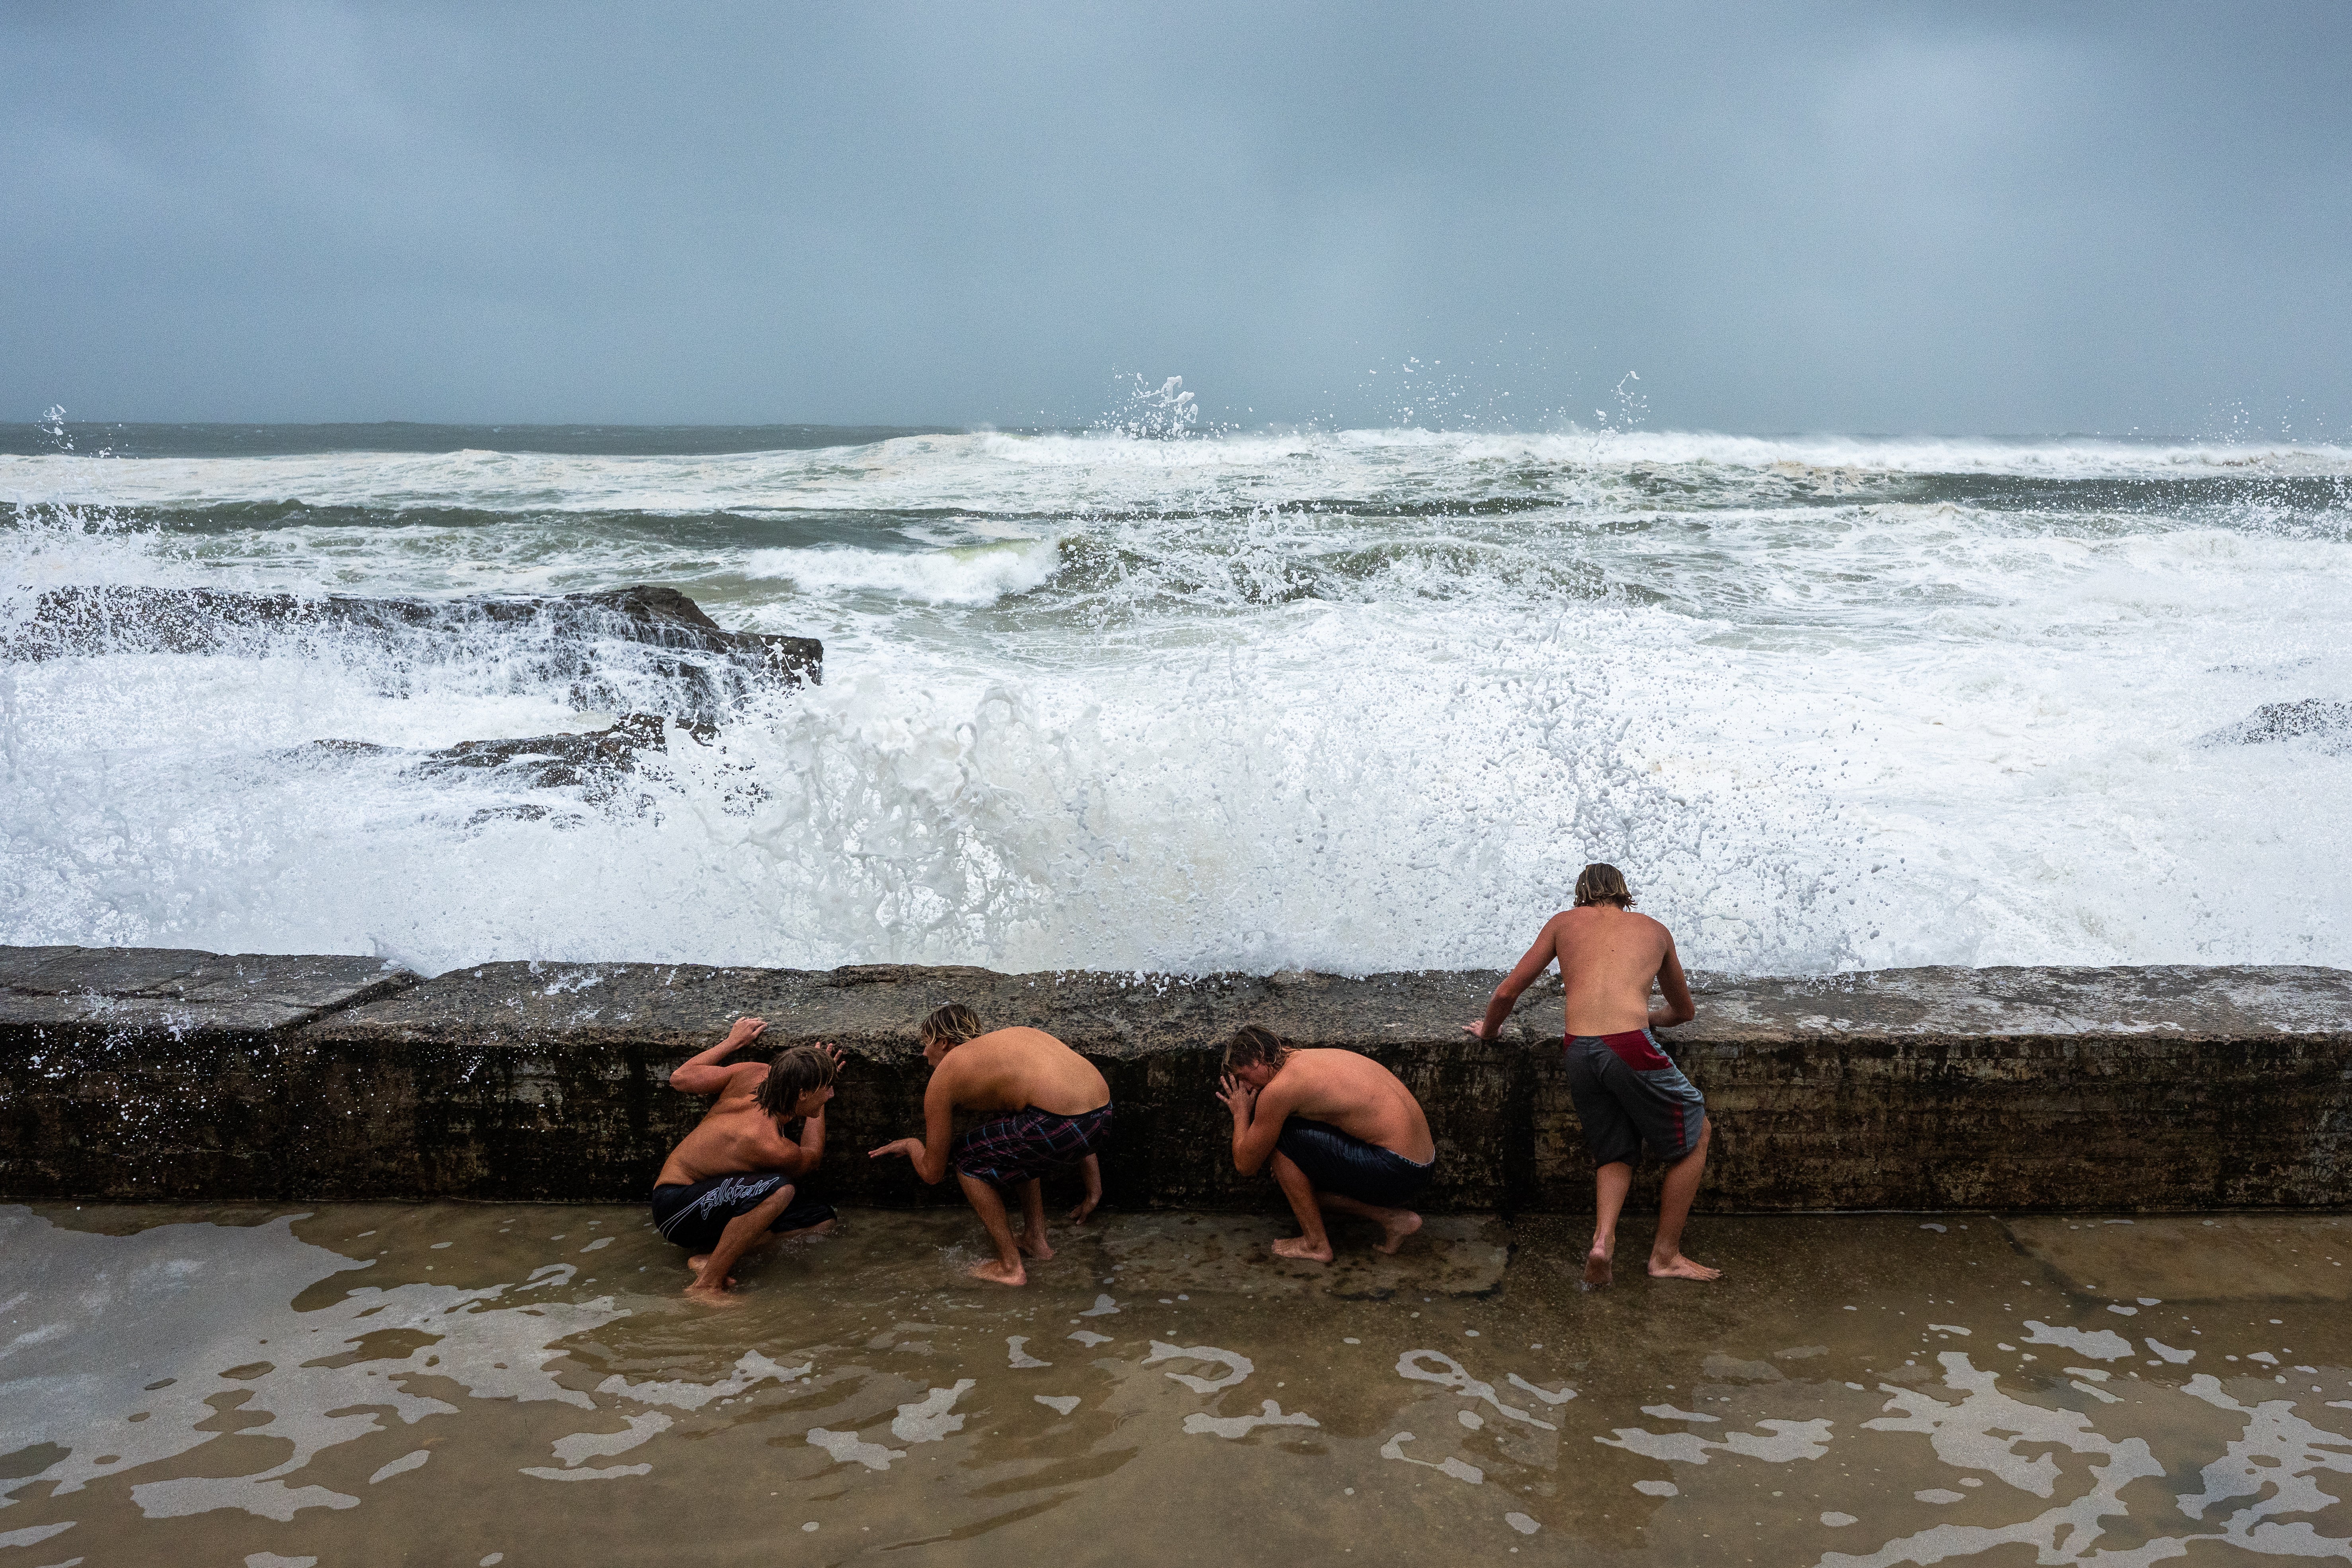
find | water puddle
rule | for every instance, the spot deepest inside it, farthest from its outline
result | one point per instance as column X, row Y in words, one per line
column 520, row 1384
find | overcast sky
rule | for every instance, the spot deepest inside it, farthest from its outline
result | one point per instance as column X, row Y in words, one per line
column 1860, row 217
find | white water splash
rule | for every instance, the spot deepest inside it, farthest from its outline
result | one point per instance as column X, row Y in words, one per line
column 1270, row 1415
column 1237, row 1366
column 1460, row 1470
column 927, row 1420
column 751, row 1370
column 1450, row 1373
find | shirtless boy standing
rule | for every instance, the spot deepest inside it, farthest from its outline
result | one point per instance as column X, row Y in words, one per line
column 1060, row 1121
column 733, row 1183
column 1342, row 1132
column 1626, row 1092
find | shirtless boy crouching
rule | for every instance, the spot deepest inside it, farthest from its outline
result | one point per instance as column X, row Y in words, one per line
column 1341, row 1132
column 1060, row 1120
column 734, row 1182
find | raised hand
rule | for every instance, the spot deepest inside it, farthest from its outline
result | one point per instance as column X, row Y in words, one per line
column 745, row 1031
column 1240, row 1098
column 1476, row 1029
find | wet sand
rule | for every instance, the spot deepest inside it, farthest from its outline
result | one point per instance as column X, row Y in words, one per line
column 520, row 1384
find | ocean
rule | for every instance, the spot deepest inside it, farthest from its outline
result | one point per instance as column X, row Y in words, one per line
column 1357, row 700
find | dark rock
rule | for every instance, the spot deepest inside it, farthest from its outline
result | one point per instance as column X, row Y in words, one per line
column 2330, row 723
column 2010, row 1089
column 618, row 648
column 595, row 763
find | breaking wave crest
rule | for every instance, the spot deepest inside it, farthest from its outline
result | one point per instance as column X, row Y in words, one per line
column 1354, row 700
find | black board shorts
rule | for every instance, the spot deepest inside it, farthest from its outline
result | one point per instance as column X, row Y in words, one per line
column 1628, row 1094
column 1341, row 1163
column 694, row 1215
column 1029, row 1144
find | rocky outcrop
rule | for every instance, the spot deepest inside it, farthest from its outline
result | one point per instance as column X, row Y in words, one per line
column 2011, row 1088
column 595, row 763
column 623, row 648
column 2328, row 723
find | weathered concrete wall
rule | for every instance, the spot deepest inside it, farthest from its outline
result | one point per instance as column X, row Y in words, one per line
column 138, row 1074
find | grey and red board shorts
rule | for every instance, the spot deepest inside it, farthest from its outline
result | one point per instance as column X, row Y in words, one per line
column 1628, row 1094
column 1029, row 1144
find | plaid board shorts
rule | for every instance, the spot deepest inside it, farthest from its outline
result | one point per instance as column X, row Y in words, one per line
column 1028, row 1143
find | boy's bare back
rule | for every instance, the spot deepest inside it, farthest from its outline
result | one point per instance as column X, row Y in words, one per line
column 1355, row 1094
column 1608, row 957
column 1011, row 1069
column 735, row 1134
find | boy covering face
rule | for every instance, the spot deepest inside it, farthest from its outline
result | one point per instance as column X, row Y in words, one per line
column 735, row 1183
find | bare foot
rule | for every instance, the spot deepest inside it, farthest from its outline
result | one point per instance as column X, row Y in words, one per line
column 1040, row 1249
column 1597, row 1271
column 713, row 1295
column 1681, row 1267
column 1305, row 1251
column 1404, row 1223
column 997, row 1273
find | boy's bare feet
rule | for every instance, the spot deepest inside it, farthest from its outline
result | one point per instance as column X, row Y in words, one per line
column 1597, row 1271
column 1681, row 1267
column 696, row 1265
column 1398, row 1225
column 707, row 1292
column 997, row 1273
column 1305, row 1251
column 1040, row 1249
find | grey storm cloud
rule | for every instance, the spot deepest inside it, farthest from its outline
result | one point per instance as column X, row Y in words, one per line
column 1866, row 217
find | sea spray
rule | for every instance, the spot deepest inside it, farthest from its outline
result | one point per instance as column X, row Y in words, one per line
column 1355, row 700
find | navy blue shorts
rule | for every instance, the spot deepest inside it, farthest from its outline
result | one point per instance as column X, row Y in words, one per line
column 1341, row 1163
column 1029, row 1144
column 694, row 1215
column 1628, row 1094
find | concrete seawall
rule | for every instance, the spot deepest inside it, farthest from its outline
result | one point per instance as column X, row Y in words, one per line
column 136, row 1073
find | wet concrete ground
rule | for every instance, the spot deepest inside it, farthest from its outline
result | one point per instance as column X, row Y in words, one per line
column 521, row 1385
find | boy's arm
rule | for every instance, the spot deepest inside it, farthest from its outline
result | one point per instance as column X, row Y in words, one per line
column 1679, row 1008
column 805, row 1155
column 704, row 1074
column 1506, row 995
column 1258, row 1116
column 929, row 1153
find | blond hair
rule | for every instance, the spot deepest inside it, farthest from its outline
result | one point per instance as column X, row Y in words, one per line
column 1599, row 884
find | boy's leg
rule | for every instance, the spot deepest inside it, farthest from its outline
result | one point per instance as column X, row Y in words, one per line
column 1396, row 1223
column 988, row 1204
column 1666, row 1260
column 1611, row 1182
column 1091, row 1172
column 747, row 1230
column 1312, row 1244
column 1033, row 1220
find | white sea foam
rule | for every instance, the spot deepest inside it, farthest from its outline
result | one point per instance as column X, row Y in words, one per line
column 1353, row 701
column 227, row 1292
column 972, row 574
